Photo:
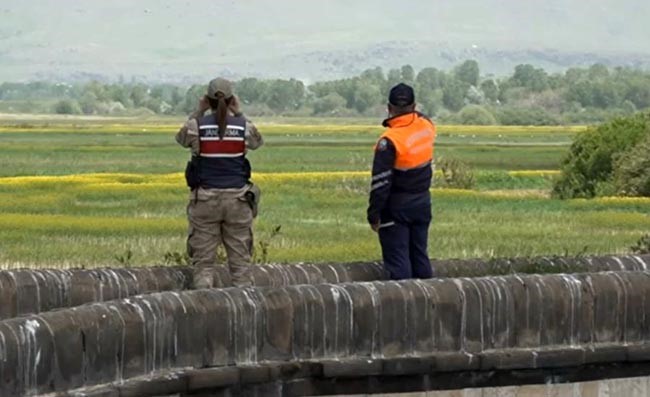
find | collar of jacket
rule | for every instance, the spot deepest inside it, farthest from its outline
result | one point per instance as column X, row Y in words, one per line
column 401, row 121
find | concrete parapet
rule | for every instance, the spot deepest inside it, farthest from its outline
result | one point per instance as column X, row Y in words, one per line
column 34, row 291
column 477, row 324
column 540, row 265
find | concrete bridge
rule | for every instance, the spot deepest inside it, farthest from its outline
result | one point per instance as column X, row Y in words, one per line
column 324, row 329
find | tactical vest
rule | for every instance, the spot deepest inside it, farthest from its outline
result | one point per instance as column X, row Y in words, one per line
column 413, row 136
column 222, row 160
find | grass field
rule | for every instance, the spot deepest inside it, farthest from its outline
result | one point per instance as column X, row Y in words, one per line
column 87, row 193
column 61, row 149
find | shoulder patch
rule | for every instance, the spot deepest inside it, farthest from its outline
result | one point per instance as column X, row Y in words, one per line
column 382, row 145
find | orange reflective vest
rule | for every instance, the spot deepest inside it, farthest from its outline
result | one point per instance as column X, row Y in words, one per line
column 413, row 136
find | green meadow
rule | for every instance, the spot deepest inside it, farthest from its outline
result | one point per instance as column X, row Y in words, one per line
column 105, row 193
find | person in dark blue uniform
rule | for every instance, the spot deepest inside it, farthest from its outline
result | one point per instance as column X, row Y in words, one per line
column 400, row 200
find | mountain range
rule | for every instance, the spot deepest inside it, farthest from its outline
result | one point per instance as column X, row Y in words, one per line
column 186, row 41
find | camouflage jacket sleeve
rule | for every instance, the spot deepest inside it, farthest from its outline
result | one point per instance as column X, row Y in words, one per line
column 188, row 135
column 253, row 137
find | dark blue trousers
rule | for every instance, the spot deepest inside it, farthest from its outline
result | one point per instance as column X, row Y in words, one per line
column 403, row 239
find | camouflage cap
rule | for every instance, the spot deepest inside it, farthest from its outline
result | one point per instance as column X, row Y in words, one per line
column 219, row 85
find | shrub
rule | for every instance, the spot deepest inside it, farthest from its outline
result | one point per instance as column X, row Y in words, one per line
column 476, row 115
column 67, row 106
column 592, row 115
column 261, row 255
column 455, row 174
column 125, row 259
column 174, row 258
column 329, row 104
column 632, row 170
column 590, row 161
column 526, row 116
column 642, row 246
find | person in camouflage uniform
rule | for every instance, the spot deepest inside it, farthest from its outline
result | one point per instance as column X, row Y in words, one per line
column 223, row 201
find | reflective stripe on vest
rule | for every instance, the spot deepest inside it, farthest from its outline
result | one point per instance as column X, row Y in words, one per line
column 413, row 137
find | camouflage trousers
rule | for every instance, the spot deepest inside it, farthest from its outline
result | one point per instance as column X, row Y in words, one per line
column 216, row 218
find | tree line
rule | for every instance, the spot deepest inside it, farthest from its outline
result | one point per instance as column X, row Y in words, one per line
column 529, row 96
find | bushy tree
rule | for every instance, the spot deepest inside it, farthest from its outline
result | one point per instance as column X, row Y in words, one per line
column 375, row 77
column 189, row 101
column 530, row 77
column 525, row 116
column 637, row 91
column 490, row 90
column 476, row 115
column 120, row 93
column 88, row 103
column 600, row 94
column 453, row 95
column 67, row 106
column 468, row 72
column 592, row 156
column 598, row 71
column 408, row 74
column 529, row 96
column 285, row 94
column 251, row 90
column 428, row 79
column 575, row 75
column 365, row 96
column 139, row 95
column 429, row 102
column 394, row 77
column 329, row 104
column 632, row 169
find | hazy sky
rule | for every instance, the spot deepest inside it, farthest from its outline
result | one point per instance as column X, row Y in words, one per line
column 124, row 35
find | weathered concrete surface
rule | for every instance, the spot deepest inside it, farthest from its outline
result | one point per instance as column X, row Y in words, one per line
column 34, row 291
column 395, row 375
column 540, row 265
column 483, row 324
column 628, row 387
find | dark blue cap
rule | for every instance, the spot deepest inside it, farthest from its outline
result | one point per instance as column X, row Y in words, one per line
column 401, row 95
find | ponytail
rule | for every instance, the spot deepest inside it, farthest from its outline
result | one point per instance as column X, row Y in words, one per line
column 222, row 114
column 220, row 110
